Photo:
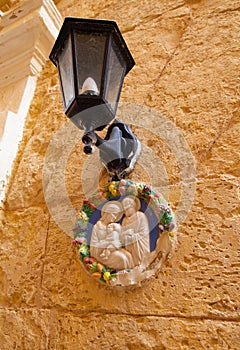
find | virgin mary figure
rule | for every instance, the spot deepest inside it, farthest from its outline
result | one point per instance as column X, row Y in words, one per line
column 118, row 258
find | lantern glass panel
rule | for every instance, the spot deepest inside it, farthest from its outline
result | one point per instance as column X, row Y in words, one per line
column 65, row 66
column 90, row 49
column 115, row 75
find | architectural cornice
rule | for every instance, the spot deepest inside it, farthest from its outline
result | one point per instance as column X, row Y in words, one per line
column 27, row 34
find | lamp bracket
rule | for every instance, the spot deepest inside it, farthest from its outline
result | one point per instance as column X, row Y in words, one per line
column 119, row 150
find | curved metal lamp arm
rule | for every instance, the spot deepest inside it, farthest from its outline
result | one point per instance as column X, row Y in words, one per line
column 119, row 150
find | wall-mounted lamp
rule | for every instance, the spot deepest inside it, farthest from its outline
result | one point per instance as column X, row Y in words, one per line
column 92, row 60
column 124, row 232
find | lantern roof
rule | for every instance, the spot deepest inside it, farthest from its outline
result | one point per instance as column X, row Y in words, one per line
column 86, row 25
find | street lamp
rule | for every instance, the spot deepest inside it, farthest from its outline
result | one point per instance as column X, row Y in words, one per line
column 92, row 60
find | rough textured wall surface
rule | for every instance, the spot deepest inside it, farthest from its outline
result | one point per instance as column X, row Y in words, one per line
column 187, row 68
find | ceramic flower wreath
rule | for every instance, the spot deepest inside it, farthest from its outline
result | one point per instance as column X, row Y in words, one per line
column 164, row 226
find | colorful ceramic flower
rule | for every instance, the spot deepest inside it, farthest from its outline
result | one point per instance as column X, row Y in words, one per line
column 146, row 189
column 84, row 249
column 100, row 267
column 114, row 193
column 132, row 189
column 80, row 240
column 93, row 267
column 122, row 190
column 161, row 228
column 113, row 188
column 96, row 275
column 122, row 182
column 107, row 276
column 82, row 215
column 150, row 198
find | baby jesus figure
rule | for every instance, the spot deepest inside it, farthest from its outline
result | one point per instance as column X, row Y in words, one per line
column 112, row 240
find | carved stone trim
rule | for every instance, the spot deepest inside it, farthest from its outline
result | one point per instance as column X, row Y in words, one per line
column 27, row 34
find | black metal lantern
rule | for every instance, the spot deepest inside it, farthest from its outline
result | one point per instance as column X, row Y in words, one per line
column 92, row 59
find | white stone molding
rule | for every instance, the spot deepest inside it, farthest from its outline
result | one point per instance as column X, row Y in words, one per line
column 27, row 34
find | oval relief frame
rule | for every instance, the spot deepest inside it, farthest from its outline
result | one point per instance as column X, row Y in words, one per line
column 124, row 233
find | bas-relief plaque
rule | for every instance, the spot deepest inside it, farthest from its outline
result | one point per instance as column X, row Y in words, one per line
column 124, row 233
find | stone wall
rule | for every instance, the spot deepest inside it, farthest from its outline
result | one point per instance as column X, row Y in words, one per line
column 187, row 59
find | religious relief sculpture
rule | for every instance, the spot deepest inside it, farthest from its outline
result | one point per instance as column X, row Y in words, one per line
column 121, row 246
column 124, row 232
column 107, row 238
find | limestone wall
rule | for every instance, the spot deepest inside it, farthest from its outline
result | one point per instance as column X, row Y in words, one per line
column 187, row 70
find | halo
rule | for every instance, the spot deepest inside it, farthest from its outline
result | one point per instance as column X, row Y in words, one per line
column 114, row 204
column 135, row 199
